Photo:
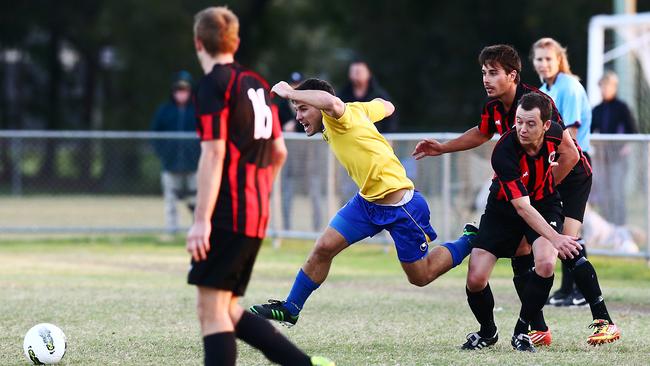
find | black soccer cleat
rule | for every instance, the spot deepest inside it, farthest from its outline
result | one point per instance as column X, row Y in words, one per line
column 275, row 310
column 470, row 229
column 522, row 342
column 475, row 341
column 577, row 299
column 559, row 298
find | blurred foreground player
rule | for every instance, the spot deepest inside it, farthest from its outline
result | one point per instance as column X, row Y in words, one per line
column 242, row 150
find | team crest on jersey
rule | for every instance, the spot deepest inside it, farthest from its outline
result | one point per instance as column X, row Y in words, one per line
column 551, row 157
column 497, row 122
column 424, row 247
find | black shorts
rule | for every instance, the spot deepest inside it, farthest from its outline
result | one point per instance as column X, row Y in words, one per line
column 501, row 228
column 229, row 264
column 574, row 190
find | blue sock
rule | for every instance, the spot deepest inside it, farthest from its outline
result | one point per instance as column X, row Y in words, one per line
column 301, row 290
column 459, row 249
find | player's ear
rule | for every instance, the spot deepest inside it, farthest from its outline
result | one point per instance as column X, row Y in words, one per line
column 198, row 45
column 547, row 125
column 513, row 75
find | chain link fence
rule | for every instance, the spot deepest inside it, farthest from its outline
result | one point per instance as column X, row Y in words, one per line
column 110, row 182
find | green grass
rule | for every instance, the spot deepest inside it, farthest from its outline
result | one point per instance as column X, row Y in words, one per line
column 124, row 301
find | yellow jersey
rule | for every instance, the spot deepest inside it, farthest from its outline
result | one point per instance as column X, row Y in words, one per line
column 364, row 152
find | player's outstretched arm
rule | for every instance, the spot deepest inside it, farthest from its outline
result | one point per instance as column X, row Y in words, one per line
column 569, row 156
column 208, row 183
column 566, row 245
column 468, row 140
column 326, row 102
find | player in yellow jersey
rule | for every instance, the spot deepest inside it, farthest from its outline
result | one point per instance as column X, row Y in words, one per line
column 386, row 198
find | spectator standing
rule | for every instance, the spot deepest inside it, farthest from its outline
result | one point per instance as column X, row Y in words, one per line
column 612, row 115
column 178, row 157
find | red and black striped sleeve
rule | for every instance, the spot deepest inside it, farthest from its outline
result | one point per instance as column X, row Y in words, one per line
column 212, row 106
column 506, row 165
column 487, row 125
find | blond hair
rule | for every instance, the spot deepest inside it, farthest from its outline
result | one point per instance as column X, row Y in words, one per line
column 560, row 51
column 218, row 30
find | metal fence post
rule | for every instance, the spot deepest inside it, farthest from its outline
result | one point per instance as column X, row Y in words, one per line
column 446, row 196
column 276, row 211
column 331, row 185
column 647, row 204
column 17, row 166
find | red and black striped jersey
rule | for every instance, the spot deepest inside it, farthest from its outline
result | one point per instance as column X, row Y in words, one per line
column 495, row 119
column 518, row 174
column 233, row 104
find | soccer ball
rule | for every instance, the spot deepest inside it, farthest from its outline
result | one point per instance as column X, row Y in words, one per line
column 44, row 344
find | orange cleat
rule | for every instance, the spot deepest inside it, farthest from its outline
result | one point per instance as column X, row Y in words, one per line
column 541, row 338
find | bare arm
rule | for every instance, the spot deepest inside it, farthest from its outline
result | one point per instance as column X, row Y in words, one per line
column 278, row 155
column 573, row 130
column 569, row 156
column 208, row 183
column 468, row 140
column 326, row 102
column 565, row 245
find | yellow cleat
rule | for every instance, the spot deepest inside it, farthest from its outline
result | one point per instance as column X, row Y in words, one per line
column 321, row 361
column 603, row 332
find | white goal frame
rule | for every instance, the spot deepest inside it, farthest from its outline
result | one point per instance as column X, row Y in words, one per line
column 626, row 27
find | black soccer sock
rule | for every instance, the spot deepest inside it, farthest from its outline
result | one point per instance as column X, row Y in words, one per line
column 261, row 334
column 567, row 279
column 534, row 298
column 482, row 305
column 587, row 283
column 220, row 349
column 522, row 267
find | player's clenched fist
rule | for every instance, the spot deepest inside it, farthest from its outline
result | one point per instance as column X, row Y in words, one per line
column 282, row 89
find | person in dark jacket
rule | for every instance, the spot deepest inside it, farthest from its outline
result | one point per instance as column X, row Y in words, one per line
column 612, row 115
column 363, row 87
column 178, row 157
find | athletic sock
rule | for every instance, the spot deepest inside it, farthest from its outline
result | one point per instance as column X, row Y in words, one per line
column 261, row 334
column 459, row 249
column 522, row 268
column 599, row 310
column 587, row 283
column 220, row 349
column 534, row 297
column 302, row 288
column 482, row 305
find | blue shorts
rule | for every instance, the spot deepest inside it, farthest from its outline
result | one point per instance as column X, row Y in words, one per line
column 408, row 225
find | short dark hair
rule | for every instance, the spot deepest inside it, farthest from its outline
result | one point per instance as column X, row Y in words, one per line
column 503, row 54
column 530, row 101
column 316, row 84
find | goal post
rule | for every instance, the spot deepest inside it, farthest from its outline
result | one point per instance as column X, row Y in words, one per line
column 611, row 39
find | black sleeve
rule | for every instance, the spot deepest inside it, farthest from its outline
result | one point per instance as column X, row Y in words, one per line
column 211, row 109
column 554, row 133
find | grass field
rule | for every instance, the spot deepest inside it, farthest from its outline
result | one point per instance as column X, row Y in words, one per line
column 124, row 301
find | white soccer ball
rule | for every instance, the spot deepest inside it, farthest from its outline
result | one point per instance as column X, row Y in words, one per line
column 44, row 344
